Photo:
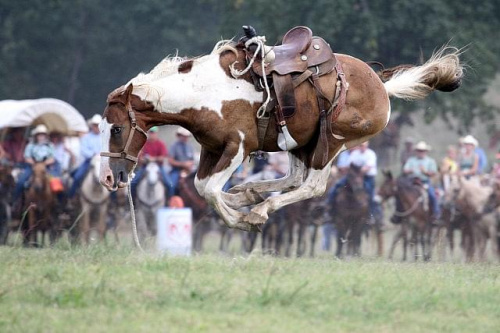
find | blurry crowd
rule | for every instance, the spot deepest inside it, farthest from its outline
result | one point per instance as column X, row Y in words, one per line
column 68, row 160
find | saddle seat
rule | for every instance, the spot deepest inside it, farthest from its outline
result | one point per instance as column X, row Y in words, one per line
column 298, row 52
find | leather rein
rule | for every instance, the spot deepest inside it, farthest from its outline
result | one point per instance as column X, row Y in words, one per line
column 124, row 154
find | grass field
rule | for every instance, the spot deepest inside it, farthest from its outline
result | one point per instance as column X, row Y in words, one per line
column 110, row 289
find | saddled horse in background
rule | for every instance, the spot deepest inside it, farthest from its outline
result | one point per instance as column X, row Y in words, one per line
column 205, row 219
column 471, row 200
column 349, row 212
column 94, row 202
column 7, row 184
column 150, row 197
column 215, row 98
column 304, row 219
column 40, row 210
column 415, row 214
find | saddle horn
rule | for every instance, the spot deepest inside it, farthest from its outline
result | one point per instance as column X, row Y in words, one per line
column 249, row 31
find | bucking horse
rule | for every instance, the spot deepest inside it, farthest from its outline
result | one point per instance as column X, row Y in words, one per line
column 246, row 97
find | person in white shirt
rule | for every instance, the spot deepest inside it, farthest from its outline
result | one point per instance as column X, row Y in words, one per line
column 365, row 158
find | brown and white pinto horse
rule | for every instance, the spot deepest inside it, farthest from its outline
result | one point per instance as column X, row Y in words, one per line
column 201, row 95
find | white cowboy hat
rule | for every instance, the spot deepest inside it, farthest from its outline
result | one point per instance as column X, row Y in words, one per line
column 182, row 131
column 40, row 129
column 95, row 120
column 469, row 139
column 422, row 146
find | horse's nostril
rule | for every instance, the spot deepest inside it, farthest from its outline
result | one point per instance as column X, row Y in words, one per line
column 109, row 179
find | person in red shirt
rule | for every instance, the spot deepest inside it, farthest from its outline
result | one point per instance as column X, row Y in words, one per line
column 154, row 150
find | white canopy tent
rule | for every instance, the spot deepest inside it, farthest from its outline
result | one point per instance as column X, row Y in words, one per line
column 57, row 115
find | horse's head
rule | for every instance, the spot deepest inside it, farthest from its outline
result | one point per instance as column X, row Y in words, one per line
column 185, row 92
column 152, row 173
column 388, row 188
column 39, row 178
column 355, row 178
column 123, row 136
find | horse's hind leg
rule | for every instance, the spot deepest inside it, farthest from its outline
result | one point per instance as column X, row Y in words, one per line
column 314, row 185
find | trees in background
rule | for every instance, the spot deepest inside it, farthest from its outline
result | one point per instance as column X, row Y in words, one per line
column 81, row 50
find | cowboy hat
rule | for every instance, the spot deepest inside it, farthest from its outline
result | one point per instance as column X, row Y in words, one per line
column 422, row 146
column 182, row 131
column 95, row 120
column 39, row 129
column 469, row 139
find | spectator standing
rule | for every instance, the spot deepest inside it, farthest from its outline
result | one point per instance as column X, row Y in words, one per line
column 181, row 157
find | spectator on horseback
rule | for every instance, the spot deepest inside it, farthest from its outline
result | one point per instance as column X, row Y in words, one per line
column 423, row 167
column 14, row 147
column 408, row 151
column 366, row 159
column 343, row 162
column 154, row 150
column 39, row 150
column 181, row 157
column 449, row 163
column 90, row 145
column 64, row 158
column 469, row 160
column 495, row 170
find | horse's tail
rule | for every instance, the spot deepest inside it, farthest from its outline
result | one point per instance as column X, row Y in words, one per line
column 443, row 71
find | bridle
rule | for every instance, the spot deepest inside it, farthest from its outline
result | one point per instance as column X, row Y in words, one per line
column 124, row 154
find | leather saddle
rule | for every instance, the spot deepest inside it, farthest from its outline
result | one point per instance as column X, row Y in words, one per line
column 300, row 56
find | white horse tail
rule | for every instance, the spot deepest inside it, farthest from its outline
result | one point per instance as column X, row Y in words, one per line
column 443, row 71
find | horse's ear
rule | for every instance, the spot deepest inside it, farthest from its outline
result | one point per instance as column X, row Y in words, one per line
column 388, row 174
column 128, row 92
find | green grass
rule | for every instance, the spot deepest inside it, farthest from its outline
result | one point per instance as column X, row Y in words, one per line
column 104, row 289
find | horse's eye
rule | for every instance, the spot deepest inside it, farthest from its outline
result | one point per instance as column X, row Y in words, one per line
column 116, row 130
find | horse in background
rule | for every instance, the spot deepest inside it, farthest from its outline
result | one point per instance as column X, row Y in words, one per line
column 415, row 214
column 205, row 219
column 149, row 198
column 471, row 200
column 40, row 211
column 94, row 201
column 349, row 212
column 7, row 184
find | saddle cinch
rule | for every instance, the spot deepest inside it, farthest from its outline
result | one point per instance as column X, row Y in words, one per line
column 301, row 57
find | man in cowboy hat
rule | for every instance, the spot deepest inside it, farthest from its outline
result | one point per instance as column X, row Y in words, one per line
column 39, row 150
column 90, row 146
column 181, row 156
column 424, row 168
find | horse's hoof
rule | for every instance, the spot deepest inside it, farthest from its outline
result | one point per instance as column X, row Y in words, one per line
column 255, row 219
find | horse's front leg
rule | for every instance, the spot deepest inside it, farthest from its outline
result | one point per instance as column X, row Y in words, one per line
column 215, row 170
column 314, row 185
